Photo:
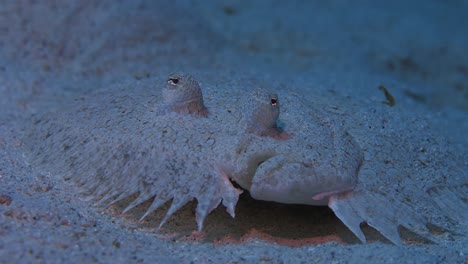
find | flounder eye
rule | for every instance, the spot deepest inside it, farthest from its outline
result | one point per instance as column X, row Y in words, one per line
column 264, row 113
column 274, row 101
column 183, row 95
column 173, row 81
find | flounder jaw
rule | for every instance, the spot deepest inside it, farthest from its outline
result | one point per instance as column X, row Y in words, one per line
column 183, row 95
column 287, row 180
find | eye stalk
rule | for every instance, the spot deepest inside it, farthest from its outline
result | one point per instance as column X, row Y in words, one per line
column 265, row 109
column 183, row 95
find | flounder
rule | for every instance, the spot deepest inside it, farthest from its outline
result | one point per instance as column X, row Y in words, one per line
column 174, row 144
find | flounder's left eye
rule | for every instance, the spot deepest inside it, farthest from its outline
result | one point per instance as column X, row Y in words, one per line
column 173, row 81
column 183, row 95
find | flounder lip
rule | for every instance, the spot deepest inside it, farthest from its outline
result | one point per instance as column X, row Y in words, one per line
column 294, row 196
column 324, row 195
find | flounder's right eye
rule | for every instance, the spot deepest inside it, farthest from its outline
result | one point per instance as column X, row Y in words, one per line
column 274, row 101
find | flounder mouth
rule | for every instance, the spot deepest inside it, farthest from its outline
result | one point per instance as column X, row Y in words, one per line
column 279, row 179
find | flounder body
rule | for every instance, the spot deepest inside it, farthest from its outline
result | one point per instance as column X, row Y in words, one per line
column 173, row 143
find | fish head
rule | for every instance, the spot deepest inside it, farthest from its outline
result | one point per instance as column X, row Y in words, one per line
column 296, row 159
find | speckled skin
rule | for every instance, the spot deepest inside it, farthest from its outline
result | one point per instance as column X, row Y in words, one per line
column 136, row 143
column 164, row 143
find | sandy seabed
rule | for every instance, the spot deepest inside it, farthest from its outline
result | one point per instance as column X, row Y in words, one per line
column 54, row 50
